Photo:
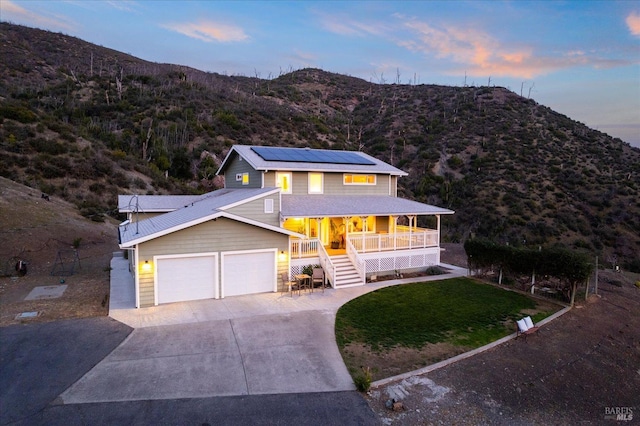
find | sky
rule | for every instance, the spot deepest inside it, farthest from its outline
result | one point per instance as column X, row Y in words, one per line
column 580, row 58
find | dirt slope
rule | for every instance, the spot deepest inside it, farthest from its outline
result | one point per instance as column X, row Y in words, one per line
column 36, row 231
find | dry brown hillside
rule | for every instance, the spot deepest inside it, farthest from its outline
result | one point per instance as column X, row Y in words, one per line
column 35, row 231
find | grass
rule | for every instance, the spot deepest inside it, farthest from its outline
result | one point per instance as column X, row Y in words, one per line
column 459, row 311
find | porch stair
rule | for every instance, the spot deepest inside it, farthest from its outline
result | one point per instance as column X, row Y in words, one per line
column 346, row 274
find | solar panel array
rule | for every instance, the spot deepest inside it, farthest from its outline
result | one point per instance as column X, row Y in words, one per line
column 300, row 155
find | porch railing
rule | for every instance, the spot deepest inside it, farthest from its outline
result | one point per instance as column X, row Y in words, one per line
column 414, row 239
column 327, row 265
column 304, row 248
column 357, row 261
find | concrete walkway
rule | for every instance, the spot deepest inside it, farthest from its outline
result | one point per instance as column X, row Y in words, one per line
column 244, row 345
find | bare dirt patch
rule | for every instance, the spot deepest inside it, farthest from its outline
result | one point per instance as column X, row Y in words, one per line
column 35, row 231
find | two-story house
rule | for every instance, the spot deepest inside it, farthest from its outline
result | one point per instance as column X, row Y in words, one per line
column 281, row 210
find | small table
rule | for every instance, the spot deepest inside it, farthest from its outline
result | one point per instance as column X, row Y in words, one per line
column 303, row 280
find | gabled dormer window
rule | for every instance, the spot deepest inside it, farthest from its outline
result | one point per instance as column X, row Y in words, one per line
column 283, row 181
column 316, row 183
column 353, row 179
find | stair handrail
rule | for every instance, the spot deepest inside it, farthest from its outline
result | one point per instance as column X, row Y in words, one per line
column 327, row 265
column 357, row 261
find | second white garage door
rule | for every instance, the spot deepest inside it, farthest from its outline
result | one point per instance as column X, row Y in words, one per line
column 248, row 272
column 186, row 278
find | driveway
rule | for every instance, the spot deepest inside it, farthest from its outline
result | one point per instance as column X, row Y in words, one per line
column 39, row 361
column 245, row 345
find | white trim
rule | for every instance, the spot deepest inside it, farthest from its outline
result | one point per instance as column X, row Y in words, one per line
column 236, row 252
column 309, row 183
column 178, row 256
column 136, row 273
column 206, row 219
column 248, row 200
column 375, row 179
column 284, row 174
column 268, row 205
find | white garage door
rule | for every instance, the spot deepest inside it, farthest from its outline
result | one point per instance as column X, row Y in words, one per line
column 185, row 278
column 248, row 273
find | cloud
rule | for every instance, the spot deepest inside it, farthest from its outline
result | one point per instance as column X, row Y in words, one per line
column 343, row 25
column 209, row 31
column 123, row 5
column 478, row 53
column 633, row 22
column 13, row 12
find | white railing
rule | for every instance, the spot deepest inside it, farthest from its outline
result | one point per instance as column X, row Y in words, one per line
column 401, row 259
column 414, row 239
column 327, row 265
column 304, row 248
column 358, row 263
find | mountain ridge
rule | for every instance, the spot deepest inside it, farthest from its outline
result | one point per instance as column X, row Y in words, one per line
column 86, row 122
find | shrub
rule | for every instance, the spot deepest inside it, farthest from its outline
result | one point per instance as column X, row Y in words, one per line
column 363, row 380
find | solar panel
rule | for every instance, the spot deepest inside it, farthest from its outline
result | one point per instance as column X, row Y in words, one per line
column 303, row 155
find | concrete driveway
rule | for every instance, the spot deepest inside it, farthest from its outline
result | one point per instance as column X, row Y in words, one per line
column 245, row 345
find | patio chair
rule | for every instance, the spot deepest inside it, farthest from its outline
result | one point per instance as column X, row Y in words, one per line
column 317, row 278
column 290, row 284
column 525, row 327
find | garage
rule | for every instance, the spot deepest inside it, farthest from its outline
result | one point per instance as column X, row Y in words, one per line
column 248, row 272
column 182, row 278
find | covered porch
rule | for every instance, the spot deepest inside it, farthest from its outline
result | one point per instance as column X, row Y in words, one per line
column 360, row 236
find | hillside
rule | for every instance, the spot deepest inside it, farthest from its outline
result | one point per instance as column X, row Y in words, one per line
column 85, row 123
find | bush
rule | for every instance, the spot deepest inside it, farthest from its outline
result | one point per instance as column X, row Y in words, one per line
column 363, row 380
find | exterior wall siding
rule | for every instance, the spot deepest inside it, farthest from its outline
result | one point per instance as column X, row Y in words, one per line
column 213, row 236
column 236, row 166
column 333, row 184
column 255, row 210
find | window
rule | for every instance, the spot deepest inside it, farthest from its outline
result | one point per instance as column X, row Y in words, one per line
column 359, row 179
column 245, row 178
column 268, row 205
column 316, row 183
column 283, row 181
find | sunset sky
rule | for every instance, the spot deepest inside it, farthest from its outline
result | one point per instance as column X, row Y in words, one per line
column 580, row 58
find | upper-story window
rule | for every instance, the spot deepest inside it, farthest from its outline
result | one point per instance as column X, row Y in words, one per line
column 316, row 183
column 350, row 179
column 283, row 181
column 245, row 178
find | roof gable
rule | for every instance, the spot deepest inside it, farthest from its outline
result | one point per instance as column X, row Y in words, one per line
column 209, row 207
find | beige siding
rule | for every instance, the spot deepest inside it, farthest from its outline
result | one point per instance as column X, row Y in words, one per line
column 333, row 184
column 236, row 165
column 255, row 210
column 213, row 236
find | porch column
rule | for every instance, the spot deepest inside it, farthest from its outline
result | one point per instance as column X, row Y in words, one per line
column 345, row 221
column 411, row 220
column 438, row 229
column 395, row 231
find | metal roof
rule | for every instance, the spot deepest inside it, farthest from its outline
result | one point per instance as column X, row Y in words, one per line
column 207, row 207
column 248, row 153
column 354, row 205
column 154, row 203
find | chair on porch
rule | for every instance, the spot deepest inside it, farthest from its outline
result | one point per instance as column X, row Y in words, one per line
column 317, row 278
column 290, row 284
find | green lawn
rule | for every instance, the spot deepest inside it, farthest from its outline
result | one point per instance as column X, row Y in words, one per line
column 459, row 311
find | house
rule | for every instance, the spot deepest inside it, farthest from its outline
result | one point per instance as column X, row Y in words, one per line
column 281, row 209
